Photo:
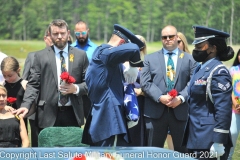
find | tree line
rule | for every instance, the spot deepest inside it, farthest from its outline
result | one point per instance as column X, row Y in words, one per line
column 28, row 19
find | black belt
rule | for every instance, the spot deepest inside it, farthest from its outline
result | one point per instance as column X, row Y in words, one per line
column 64, row 108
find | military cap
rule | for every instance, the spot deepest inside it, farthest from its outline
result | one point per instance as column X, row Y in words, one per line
column 204, row 33
column 127, row 35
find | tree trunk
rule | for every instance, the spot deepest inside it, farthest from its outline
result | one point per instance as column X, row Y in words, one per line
column 106, row 27
column 24, row 36
column 231, row 27
column 209, row 14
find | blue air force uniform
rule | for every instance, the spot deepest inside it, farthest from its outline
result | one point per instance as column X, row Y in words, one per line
column 104, row 79
column 209, row 122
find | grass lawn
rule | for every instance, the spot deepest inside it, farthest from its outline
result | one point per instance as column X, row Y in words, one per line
column 20, row 50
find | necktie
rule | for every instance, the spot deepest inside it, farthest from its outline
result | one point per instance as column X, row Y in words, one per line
column 170, row 72
column 63, row 99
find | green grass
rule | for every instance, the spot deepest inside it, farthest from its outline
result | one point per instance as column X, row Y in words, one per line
column 20, row 50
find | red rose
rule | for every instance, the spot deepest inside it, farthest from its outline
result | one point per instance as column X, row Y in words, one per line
column 64, row 76
column 236, row 98
column 173, row 93
column 71, row 79
column 11, row 100
column 81, row 157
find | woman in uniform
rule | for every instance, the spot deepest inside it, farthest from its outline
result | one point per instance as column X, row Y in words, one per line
column 207, row 133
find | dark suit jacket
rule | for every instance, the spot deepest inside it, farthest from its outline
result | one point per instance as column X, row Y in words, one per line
column 154, row 84
column 27, row 65
column 26, row 72
column 43, row 80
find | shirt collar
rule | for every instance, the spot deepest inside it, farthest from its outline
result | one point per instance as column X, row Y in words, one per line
column 175, row 51
column 89, row 43
column 57, row 50
column 206, row 63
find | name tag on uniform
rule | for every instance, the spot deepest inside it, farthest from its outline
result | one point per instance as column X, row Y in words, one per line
column 200, row 82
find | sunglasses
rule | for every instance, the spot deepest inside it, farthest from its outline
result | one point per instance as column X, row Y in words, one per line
column 82, row 33
column 171, row 37
column 179, row 41
column 3, row 95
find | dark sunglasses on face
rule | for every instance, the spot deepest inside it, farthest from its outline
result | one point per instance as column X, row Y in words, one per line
column 171, row 37
column 3, row 95
column 179, row 41
column 83, row 33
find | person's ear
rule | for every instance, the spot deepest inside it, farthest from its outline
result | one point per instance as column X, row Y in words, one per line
column 213, row 49
column 122, row 41
column 19, row 69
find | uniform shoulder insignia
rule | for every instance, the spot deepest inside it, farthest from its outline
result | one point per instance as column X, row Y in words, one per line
column 223, row 87
column 222, row 70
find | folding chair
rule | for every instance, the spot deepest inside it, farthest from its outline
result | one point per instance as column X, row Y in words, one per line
column 61, row 137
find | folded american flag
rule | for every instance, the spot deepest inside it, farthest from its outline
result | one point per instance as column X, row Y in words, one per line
column 130, row 103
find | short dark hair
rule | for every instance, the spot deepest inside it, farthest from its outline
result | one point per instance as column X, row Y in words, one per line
column 47, row 31
column 58, row 23
column 81, row 21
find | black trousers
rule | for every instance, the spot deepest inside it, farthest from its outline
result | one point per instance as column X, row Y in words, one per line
column 166, row 122
column 86, row 105
column 66, row 117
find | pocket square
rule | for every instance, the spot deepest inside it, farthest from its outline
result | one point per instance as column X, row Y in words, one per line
column 130, row 103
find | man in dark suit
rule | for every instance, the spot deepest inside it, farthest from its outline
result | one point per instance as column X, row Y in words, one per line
column 44, row 81
column 164, row 70
column 26, row 72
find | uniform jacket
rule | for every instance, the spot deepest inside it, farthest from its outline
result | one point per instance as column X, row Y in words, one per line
column 104, row 79
column 154, row 83
column 209, row 122
column 43, row 80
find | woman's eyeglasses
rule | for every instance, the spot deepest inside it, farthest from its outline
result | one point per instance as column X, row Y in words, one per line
column 171, row 37
column 82, row 33
column 179, row 41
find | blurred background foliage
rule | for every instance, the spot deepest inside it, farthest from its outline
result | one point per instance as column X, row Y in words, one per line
column 28, row 19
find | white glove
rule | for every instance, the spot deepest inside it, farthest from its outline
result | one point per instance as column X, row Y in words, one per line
column 130, row 74
column 217, row 149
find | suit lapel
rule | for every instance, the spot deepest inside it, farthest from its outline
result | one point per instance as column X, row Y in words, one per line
column 51, row 56
column 70, row 59
column 179, row 64
column 162, row 65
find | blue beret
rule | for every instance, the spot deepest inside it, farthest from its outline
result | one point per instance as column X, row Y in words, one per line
column 204, row 33
column 127, row 35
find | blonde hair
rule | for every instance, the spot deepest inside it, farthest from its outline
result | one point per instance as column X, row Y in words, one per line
column 10, row 64
column 143, row 51
column 184, row 40
column 3, row 88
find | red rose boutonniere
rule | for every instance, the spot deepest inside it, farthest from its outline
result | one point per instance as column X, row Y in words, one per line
column 67, row 78
column 11, row 100
column 173, row 93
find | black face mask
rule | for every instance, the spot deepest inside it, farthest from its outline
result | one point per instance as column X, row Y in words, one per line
column 200, row 56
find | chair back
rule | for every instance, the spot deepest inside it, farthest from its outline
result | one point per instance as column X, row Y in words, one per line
column 61, row 137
